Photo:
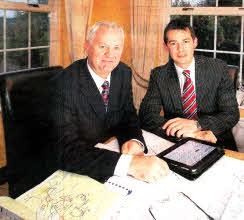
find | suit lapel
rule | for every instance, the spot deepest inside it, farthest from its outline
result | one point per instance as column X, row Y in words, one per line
column 174, row 87
column 200, row 80
column 113, row 89
column 89, row 89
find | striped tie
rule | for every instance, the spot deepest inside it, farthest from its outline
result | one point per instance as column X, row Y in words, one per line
column 189, row 97
column 105, row 93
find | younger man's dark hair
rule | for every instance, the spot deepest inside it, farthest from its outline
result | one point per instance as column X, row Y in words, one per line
column 177, row 24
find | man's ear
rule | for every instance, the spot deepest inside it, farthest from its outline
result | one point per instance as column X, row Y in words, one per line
column 86, row 46
column 165, row 46
column 195, row 42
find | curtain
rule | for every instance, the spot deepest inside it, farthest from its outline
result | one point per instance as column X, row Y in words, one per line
column 145, row 20
column 163, row 54
column 77, row 17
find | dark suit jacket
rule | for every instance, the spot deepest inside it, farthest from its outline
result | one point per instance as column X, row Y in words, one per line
column 78, row 119
column 217, row 107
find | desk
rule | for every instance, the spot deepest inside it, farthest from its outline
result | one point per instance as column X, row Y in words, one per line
column 233, row 154
column 241, row 113
column 216, row 191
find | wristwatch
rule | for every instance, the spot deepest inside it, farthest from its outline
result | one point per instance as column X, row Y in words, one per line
column 198, row 125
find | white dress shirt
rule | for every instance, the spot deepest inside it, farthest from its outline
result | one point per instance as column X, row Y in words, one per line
column 97, row 79
column 182, row 78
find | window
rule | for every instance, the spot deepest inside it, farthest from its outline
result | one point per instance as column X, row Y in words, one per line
column 24, row 35
column 218, row 25
column 206, row 3
column 30, row 1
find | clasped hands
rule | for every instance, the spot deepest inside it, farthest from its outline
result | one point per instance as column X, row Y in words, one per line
column 181, row 127
column 145, row 168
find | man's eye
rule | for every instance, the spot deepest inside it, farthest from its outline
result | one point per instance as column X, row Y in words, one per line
column 116, row 48
column 172, row 43
column 102, row 46
column 186, row 41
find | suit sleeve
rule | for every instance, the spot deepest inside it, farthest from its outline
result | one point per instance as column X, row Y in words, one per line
column 129, row 126
column 226, row 113
column 71, row 152
column 151, row 107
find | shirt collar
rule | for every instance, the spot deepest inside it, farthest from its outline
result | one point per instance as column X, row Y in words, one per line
column 179, row 70
column 97, row 79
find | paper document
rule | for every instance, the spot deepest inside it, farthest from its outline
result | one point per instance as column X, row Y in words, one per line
column 155, row 144
column 219, row 192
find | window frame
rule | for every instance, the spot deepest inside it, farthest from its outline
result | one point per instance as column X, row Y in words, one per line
column 53, row 8
column 167, row 11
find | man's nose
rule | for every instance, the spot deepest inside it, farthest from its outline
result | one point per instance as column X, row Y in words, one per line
column 180, row 46
column 108, row 52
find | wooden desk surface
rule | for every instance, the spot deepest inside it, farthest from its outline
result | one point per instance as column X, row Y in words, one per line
column 233, row 154
column 241, row 113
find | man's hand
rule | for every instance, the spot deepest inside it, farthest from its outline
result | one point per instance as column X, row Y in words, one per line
column 132, row 148
column 148, row 168
column 202, row 135
column 179, row 126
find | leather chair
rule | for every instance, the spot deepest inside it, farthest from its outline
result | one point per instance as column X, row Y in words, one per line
column 23, row 95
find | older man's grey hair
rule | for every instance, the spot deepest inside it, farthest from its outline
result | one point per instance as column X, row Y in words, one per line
column 96, row 26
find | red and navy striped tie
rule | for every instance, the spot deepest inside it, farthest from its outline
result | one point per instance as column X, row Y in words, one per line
column 189, row 97
column 105, row 93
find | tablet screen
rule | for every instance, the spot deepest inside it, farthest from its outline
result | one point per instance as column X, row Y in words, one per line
column 190, row 153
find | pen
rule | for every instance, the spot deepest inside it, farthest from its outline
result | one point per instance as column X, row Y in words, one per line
column 151, row 214
column 209, row 217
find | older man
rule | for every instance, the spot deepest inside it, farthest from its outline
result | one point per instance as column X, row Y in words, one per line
column 91, row 101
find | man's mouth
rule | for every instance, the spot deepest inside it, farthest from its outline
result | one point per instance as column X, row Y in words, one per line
column 107, row 61
column 181, row 56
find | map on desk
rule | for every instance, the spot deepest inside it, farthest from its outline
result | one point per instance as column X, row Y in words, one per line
column 69, row 196
column 63, row 196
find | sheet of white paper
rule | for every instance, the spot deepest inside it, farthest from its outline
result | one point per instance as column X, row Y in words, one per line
column 219, row 192
column 176, row 207
column 155, row 144
column 235, row 206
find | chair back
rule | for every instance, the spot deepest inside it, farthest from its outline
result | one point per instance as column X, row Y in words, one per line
column 234, row 73
column 23, row 99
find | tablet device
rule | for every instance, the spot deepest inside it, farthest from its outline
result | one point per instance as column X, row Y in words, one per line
column 191, row 157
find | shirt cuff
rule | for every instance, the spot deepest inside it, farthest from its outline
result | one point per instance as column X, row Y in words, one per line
column 142, row 145
column 123, row 165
